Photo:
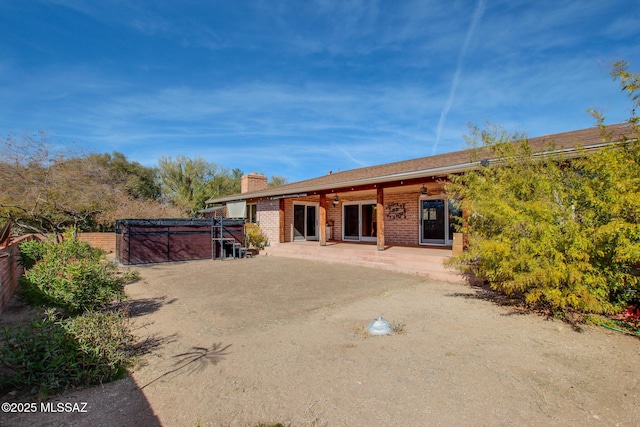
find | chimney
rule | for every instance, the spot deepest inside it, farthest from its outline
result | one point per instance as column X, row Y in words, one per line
column 252, row 182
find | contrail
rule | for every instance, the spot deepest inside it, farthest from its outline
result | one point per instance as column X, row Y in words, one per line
column 477, row 14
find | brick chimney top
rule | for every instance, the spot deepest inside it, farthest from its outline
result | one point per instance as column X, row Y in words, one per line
column 252, row 182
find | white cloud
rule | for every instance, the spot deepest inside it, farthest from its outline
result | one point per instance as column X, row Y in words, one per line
column 299, row 85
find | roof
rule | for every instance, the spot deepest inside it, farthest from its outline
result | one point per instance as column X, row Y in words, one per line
column 441, row 164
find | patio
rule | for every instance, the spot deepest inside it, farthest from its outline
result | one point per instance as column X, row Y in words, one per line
column 417, row 260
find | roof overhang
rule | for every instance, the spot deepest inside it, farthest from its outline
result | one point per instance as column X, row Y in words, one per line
column 275, row 193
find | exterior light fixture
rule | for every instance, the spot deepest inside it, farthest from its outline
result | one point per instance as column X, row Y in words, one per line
column 336, row 201
column 424, row 191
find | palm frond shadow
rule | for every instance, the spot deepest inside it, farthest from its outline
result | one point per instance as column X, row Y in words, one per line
column 153, row 343
column 143, row 306
column 196, row 360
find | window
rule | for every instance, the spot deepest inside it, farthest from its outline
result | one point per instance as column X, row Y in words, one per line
column 360, row 221
column 252, row 212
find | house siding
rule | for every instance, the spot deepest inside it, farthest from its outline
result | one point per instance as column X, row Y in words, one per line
column 402, row 219
column 402, row 216
column 268, row 215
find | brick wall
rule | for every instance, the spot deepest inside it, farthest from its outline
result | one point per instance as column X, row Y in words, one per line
column 288, row 220
column 334, row 213
column 104, row 241
column 402, row 219
column 10, row 268
column 252, row 182
column 269, row 219
column 402, row 216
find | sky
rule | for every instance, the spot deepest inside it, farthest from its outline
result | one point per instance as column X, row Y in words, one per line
column 299, row 88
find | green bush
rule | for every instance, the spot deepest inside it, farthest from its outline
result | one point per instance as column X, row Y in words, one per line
column 31, row 251
column 561, row 234
column 86, row 342
column 255, row 238
column 54, row 354
column 70, row 275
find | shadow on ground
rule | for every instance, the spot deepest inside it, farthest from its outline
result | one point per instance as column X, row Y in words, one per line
column 142, row 306
column 516, row 304
column 195, row 360
column 119, row 403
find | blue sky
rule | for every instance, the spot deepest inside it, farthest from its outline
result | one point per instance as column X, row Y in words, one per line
column 298, row 88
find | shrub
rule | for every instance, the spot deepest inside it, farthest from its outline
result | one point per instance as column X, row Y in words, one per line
column 85, row 343
column 54, row 354
column 561, row 234
column 255, row 237
column 70, row 275
column 31, row 251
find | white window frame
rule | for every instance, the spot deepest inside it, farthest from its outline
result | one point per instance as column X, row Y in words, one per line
column 360, row 237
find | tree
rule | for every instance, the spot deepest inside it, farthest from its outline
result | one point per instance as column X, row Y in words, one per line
column 276, row 181
column 188, row 183
column 225, row 183
column 45, row 191
column 561, row 234
column 125, row 206
column 137, row 180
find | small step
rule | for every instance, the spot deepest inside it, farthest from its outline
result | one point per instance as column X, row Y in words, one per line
column 426, row 265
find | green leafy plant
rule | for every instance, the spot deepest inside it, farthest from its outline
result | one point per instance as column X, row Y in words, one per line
column 69, row 275
column 255, row 237
column 75, row 286
column 31, row 251
column 562, row 234
column 56, row 353
column 81, row 339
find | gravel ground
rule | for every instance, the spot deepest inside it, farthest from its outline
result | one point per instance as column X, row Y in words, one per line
column 277, row 340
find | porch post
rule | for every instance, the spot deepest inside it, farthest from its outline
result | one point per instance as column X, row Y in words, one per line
column 380, row 218
column 322, row 221
column 281, row 220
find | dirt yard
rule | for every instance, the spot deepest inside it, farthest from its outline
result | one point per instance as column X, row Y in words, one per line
column 275, row 340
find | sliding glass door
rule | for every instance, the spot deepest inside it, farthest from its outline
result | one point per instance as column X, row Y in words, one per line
column 305, row 221
column 360, row 221
column 351, row 222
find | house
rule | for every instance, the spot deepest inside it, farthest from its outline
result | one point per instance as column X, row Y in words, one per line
column 400, row 203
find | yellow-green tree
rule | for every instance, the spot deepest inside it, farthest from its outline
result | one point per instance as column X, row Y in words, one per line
column 561, row 234
column 188, row 183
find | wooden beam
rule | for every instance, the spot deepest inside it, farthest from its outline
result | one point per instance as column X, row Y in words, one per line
column 281, row 218
column 322, row 221
column 380, row 218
